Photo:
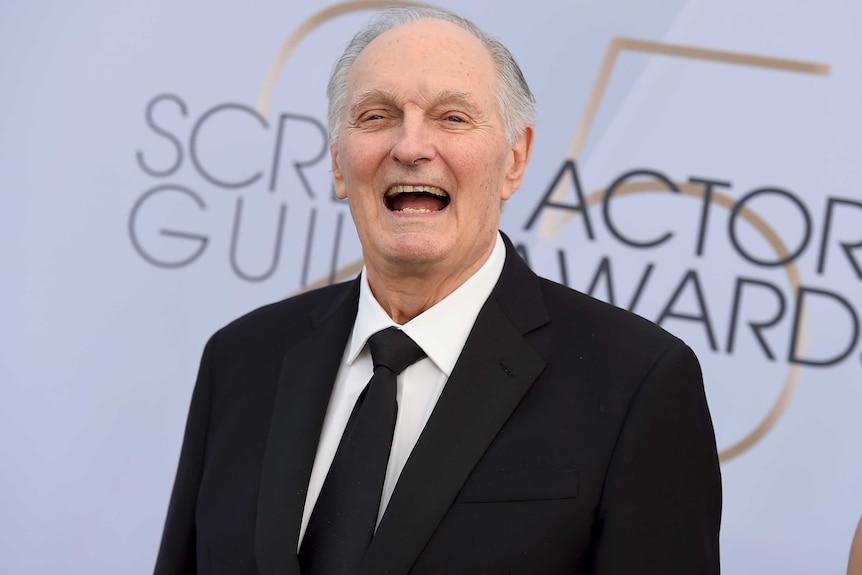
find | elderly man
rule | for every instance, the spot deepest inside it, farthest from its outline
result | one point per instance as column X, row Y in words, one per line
column 448, row 411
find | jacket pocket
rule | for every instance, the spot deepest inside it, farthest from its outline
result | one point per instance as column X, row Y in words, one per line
column 519, row 486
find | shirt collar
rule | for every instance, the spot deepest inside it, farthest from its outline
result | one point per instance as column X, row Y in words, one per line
column 441, row 330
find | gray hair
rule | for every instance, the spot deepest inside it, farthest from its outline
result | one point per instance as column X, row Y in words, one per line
column 516, row 102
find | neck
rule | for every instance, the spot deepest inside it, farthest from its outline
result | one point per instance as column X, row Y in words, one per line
column 404, row 294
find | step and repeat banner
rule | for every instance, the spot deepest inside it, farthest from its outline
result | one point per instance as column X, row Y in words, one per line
column 164, row 168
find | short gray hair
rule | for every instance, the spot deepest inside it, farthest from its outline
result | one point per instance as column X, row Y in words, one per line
column 514, row 99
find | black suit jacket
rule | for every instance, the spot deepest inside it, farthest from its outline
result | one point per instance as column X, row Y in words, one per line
column 571, row 437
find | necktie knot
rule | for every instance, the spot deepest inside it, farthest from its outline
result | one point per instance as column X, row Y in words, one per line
column 393, row 349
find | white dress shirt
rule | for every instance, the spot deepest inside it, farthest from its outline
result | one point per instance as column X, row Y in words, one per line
column 441, row 332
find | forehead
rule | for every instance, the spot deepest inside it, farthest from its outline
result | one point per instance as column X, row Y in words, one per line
column 427, row 55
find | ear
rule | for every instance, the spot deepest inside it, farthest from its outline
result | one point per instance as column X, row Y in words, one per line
column 520, row 156
column 337, row 176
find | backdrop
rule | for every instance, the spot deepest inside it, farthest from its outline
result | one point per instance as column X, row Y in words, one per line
column 164, row 169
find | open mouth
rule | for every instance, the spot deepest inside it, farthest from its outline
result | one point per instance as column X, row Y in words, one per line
column 416, row 199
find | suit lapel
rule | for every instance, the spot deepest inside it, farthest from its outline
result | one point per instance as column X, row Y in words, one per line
column 307, row 374
column 495, row 370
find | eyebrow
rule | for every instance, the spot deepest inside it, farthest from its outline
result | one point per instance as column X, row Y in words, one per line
column 376, row 95
column 360, row 100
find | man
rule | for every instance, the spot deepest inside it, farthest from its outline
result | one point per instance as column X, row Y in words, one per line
column 544, row 432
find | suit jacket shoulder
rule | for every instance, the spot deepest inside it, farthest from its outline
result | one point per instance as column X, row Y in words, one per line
column 601, row 326
column 291, row 317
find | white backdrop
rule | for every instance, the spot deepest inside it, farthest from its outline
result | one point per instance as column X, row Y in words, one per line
column 149, row 195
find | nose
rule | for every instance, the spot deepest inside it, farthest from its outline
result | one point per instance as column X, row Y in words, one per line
column 414, row 141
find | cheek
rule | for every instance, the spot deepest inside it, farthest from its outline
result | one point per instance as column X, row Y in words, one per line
column 489, row 170
column 358, row 161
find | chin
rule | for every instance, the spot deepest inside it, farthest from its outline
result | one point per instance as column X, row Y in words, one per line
column 416, row 250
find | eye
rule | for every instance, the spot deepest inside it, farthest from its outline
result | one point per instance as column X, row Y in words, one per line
column 455, row 119
column 372, row 116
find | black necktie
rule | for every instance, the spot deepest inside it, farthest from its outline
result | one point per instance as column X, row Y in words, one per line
column 345, row 515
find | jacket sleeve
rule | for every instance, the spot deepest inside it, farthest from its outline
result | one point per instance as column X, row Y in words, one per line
column 177, row 553
column 660, row 508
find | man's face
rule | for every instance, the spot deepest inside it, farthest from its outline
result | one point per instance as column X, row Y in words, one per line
column 421, row 154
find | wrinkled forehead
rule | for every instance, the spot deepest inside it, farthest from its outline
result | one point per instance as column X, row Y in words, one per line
column 428, row 55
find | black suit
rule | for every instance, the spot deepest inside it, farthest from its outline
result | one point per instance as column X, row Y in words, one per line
column 571, row 437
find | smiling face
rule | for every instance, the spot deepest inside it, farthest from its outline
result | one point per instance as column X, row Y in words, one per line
column 421, row 154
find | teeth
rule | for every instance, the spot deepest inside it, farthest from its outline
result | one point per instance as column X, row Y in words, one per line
column 415, row 211
column 395, row 190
